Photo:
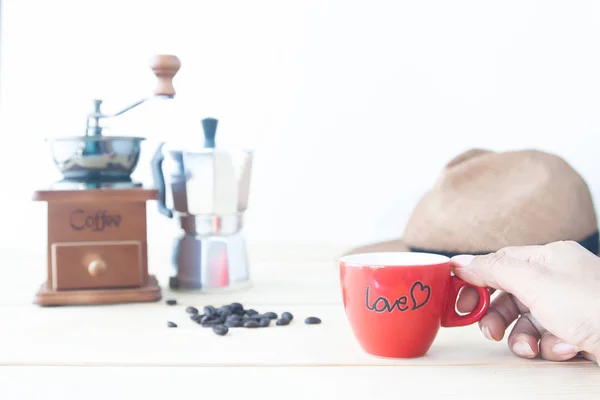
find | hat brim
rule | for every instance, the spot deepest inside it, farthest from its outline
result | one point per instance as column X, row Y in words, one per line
column 398, row 245
column 386, row 246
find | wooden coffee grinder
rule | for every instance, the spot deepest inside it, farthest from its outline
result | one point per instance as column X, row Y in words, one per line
column 97, row 239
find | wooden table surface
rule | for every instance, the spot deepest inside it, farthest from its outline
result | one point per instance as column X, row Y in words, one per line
column 127, row 352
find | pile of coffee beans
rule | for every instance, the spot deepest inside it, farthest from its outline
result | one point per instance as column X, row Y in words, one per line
column 234, row 315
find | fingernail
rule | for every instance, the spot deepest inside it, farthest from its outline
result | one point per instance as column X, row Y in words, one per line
column 486, row 332
column 564, row 349
column 463, row 260
column 523, row 349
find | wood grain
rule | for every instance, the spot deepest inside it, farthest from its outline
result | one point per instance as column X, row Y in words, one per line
column 576, row 382
column 130, row 346
column 122, row 335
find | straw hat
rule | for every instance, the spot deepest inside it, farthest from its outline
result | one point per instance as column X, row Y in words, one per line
column 484, row 201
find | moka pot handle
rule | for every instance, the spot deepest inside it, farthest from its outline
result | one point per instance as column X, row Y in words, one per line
column 159, row 181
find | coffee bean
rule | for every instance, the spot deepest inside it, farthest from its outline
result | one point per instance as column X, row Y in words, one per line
column 287, row 315
column 191, row 310
column 225, row 313
column 196, row 317
column 236, row 308
column 312, row 321
column 171, row 302
column 220, row 330
column 233, row 324
column 211, row 320
column 251, row 324
column 233, row 317
column 282, row 322
column 171, row 324
column 270, row 315
column 224, row 309
column 263, row 323
column 209, row 310
column 251, row 312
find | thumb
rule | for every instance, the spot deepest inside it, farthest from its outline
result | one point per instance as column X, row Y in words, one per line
column 520, row 271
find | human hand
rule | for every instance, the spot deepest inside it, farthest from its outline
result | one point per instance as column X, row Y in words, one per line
column 552, row 291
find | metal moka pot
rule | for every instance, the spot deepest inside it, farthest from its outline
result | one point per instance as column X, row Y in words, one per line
column 207, row 190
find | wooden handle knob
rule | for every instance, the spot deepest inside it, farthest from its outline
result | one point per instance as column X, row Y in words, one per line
column 97, row 267
column 165, row 67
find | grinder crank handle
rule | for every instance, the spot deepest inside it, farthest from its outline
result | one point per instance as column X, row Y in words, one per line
column 165, row 67
column 159, row 181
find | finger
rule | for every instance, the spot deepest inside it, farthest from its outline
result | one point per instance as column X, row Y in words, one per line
column 468, row 299
column 501, row 271
column 501, row 314
column 556, row 254
column 529, row 254
column 523, row 339
column 554, row 349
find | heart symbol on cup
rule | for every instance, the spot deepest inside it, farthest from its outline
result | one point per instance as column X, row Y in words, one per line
column 423, row 292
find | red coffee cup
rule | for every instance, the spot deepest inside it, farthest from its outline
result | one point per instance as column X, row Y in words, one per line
column 397, row 302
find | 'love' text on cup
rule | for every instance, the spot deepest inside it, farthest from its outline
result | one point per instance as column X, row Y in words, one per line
column 419, row 296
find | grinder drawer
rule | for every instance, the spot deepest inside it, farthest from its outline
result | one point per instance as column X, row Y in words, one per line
column 97, row 265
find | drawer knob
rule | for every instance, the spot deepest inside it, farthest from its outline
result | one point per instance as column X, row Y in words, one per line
column 97, row 267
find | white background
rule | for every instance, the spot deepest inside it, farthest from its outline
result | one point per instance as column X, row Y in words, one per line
column 352, row 107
